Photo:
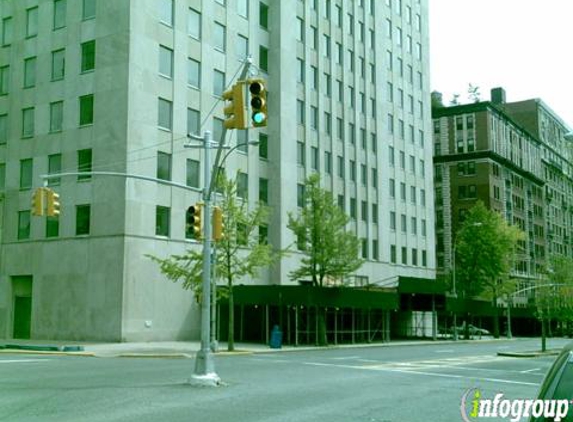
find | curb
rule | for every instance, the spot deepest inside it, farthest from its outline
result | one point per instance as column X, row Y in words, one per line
column 153, row 355
column 45, row 352
column 529, row 354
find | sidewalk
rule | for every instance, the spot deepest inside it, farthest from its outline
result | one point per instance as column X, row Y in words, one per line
column 185, row 349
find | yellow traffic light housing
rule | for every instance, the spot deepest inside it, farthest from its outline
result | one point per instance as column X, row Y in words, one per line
column 218, row 226
column 38, row 201
column 194, row 222
column 53, row 203
column 258, row 91
column 235, row 110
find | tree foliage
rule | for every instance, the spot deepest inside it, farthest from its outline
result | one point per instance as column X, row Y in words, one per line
column 241, row 252
column 331, row 252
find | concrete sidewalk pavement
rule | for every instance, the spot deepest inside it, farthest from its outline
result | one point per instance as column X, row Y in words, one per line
column 186, row 349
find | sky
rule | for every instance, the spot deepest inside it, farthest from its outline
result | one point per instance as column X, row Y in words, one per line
column 524, row 46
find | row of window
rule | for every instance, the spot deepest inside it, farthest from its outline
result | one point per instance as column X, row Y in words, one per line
column 28, row 128
column 84, row 164
column 83, row 223
column 404, row 256
column 402, row 161
column 413, row 196
column 404, row 224
column 31, row 72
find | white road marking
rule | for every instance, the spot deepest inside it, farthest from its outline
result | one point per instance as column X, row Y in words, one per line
column 23, row 360
column 346, row 358
column 444, row 351
column 529, row 370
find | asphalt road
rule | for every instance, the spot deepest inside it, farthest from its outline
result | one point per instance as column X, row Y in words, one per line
column 373, row 384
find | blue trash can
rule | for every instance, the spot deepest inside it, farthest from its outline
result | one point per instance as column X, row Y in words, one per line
column 276, row 338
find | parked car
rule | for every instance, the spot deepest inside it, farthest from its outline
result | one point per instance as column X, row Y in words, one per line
column 558, row 382
column 473, row 330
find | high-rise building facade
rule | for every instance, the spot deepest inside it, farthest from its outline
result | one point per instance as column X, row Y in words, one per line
column 116, row 86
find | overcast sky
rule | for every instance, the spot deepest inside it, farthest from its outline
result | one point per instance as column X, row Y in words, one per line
column 524, row 46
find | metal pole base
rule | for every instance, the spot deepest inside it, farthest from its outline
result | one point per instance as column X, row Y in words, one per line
column 205, row 370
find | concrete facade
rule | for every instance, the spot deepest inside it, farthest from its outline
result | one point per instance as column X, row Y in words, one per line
column 348, row 97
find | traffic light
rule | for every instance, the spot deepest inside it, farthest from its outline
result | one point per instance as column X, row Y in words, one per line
column 218, row 226
column 235, row 110
column 258, row 92
column 194, row 223
column 38, row 202
column 53, row 203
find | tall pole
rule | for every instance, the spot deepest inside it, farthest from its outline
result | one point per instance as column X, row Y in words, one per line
column 509, row 335
column 204, row 363
column 454, row 294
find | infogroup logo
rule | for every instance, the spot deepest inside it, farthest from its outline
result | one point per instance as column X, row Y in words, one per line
column 474, row 407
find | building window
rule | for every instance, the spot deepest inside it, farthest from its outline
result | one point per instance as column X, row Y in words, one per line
column 3, row 128
column 58, row 64
column 86, row 109
column 52, row 226
column 263, row 190
column 88, row 56
column 314, row 117
column 392, row 188
column 392, row 220
column 314, row 158
column 300, row 153
column 375, row 213
column 29, row 72
column 218, row 83
column 364, row 210
column 26, row 173
column 263, row 58
column 364, row 248
column 4, row 80
column 393, row 254
column 243, row 8
column 83, row 219
column 193, row 173
column 54, row 167
column 164, row 119
column 194, row 24
column 6, row 31
column 219, row 36
column 375, row 254
column 28, row 122
column 263, row 15
column 414, row 256
column 56, row 116
column 59, row 14
column 32, row 22
column 403, row 223
column 242, row 46
column 300, row 112
column 263, row 146
column 84, row 163
column 165, row 11
column 163, row 166
column 165, row 61
column 243, row 185
column 162, row 221
column 193, row 73
column 353, row 208
column 404, row 255
column 23, row 225
column 193, row 123
column 300, row 195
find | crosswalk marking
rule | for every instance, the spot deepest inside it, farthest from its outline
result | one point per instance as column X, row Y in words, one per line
column 23, row 360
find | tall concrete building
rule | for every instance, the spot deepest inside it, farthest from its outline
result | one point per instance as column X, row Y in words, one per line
column 105, row 85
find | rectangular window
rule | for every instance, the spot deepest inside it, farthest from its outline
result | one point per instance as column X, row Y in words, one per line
column 263, row 190
column 193, row 122
column 23, row 225
column 192, row 173
column 3, row 128
column 314, row 158
column 164, row 118
column 56, row 116
column 375, row 213
column 328, row 162
column 59, row 14
column 194, row 24
column 26, row 173
column 340, row 166
column 403, row 223
column 193, row 73
column 263, row 146
column 393, row 254
column 243, row 185
column 263, row 15
column 29, row 72
column 165, row 61
column 392, row 220
column 88, row 56
column 4, row 79
column 364, row 210
column 163, row 166
column 300, row 155
column 392, row 188
column 28, row 122
column 300, row 195
column 353, row 208
column 7, row 31
column 54, row 167
column 32, row 22
column 219, row 36
column 52, row 226
column 58, row 64
column 423, row 227
column 263, row 58
column 300, row 112
column 86, row 109
column 165, row 11
column 84, row 163
column 162, row 221
column 218, row 82
column 414, row 256
column 404, row 255
column 375, row 254
column 243, row 8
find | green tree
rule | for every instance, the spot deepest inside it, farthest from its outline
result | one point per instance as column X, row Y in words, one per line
column 473, row 93
column 241, row 252
column 330, row 251
column 486, row 247
column 437, row 100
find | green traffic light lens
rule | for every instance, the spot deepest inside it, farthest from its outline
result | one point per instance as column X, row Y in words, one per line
column 259, row 117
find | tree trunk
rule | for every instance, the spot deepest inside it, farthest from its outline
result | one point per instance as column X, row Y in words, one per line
column 231, row 334
column 543, row 335
column 495, row 317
